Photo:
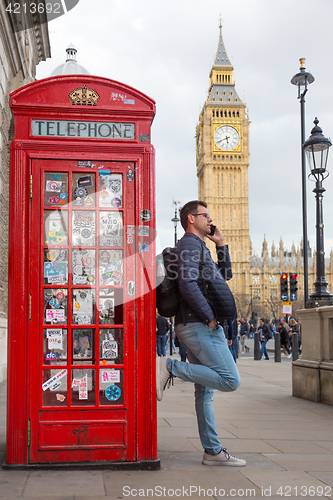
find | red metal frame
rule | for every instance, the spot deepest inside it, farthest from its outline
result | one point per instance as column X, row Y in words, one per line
column 48, row 100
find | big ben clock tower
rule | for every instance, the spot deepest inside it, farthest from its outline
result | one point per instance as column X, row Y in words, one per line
column 222, row 147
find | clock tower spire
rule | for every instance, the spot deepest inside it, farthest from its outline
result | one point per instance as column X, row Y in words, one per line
column 222, row 139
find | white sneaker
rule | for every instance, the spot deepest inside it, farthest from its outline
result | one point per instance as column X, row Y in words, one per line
column 223, row 458
column 289, row 356
column 163, row 377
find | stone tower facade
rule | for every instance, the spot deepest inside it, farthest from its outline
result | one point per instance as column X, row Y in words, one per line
column 223, row 156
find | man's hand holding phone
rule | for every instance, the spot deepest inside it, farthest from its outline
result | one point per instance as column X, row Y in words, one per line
column 216, row 236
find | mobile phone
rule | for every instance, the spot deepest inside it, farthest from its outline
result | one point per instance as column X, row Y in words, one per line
column 212, row 229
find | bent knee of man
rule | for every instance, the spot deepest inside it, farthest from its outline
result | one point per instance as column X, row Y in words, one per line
column 233, row 383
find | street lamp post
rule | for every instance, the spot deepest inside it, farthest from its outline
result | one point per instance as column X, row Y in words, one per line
column 317, row 147
column 302, row 79
column 176, row 219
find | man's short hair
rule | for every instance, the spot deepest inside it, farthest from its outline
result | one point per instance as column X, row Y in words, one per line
column 262, row 319
column 191, row 207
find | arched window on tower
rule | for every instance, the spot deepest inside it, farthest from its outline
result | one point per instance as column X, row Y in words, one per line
column 213, row 113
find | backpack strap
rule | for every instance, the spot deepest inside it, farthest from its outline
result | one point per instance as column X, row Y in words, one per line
column 201, row 270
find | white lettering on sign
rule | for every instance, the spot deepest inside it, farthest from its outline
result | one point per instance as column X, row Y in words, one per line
column 87, row 130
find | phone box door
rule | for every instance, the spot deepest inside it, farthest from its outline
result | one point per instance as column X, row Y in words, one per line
column 82, row 334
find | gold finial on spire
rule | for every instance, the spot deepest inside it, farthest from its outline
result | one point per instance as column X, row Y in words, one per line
column 302, row 61
column 220, row 22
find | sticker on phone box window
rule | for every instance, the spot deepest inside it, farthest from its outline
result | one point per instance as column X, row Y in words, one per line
column 54, row 186
column 55, row 315
column 109, row 349
column 58, row 269
column 54, row 200
column 110, row 376
column 144, row 247
column 143, row 230
column 145, row 215
column 50, row 356
column 82, row 385
column 112, row 393
column 130, row 175
column 51, row 381
column 112, row 276
column 84, row 181
column 81, row 163
column 54, row 338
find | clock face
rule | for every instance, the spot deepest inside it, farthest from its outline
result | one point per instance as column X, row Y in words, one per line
column 199, row 144
column 226, row 138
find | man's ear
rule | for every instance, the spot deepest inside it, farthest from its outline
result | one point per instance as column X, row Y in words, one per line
column 190, row 219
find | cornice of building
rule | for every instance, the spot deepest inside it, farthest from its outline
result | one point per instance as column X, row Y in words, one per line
column 15, row 40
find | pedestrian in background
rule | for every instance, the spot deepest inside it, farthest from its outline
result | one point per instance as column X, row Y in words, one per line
column 265, row 336
column 162, row 327
column 284, row 337
column 244, row 332
column 295, row 329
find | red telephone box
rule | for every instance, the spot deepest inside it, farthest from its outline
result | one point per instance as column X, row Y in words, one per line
column 81, row 362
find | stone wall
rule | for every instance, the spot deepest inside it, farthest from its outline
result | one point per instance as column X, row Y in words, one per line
column 313, row 373
column 20, row 52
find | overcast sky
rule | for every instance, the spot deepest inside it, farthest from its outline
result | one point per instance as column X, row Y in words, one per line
column 166, row 50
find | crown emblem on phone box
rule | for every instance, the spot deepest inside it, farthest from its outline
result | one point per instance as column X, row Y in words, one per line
column 84, row 96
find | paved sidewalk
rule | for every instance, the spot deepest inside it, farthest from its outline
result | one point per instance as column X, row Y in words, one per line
column 287, row 443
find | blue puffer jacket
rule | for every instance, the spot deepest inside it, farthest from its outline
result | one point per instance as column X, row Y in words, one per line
column 202, row 282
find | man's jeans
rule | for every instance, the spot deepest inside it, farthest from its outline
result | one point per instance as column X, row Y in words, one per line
column 160, row 344
column 210, row 367
column 263, row 350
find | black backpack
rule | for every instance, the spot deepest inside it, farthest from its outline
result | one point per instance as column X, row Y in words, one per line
column 168, row 297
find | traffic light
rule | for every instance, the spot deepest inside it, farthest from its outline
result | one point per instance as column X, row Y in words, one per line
column 284, row 286
column 293, row 286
